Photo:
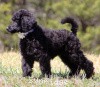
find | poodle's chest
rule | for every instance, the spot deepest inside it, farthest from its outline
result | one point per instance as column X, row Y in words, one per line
column 32, row 47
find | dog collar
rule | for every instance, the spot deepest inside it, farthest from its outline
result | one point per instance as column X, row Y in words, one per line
column 23, row 35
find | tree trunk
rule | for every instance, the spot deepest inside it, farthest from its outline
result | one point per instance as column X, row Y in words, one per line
column 23, row 2
column 84, row 25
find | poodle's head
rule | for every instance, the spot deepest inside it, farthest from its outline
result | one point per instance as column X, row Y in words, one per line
column 23, row 21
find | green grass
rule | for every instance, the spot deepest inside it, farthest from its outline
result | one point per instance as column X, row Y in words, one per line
column 11, row 73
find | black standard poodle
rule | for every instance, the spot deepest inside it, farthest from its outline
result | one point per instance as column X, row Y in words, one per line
column 42, row 45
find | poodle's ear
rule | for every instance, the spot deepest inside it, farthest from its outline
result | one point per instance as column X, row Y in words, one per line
column 28, row 22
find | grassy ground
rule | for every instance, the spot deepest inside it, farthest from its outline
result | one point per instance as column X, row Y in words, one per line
column 10, row 73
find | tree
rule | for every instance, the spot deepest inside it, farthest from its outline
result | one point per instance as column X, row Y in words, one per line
column 86, row 11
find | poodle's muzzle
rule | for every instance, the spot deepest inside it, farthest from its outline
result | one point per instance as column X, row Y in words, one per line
column 13, row 28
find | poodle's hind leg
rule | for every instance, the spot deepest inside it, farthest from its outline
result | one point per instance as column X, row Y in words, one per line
column 27, row 65
column 86, row 65
column 75, row 70
column 73, row 63
column 45, row 66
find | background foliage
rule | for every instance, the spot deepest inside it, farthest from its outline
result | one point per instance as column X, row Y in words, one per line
column 49, row 13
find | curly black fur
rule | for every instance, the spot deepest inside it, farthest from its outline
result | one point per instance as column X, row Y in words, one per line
column 42, row 45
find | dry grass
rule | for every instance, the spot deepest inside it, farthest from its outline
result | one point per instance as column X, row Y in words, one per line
column 13, row 59
column 10, row 73
column 96, row 60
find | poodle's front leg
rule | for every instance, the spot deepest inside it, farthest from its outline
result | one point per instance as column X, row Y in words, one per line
column 45, row 67
column 27, row 65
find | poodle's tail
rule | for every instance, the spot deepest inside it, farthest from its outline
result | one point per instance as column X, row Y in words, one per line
column 72, row 22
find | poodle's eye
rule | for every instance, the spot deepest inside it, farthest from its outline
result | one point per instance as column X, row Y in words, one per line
column 14, row 20
column 17, row 19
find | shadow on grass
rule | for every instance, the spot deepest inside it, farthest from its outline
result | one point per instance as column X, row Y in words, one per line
column 60, row 74
column 54, row 75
